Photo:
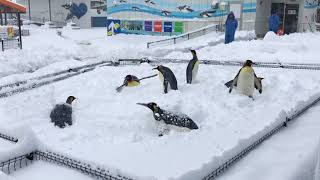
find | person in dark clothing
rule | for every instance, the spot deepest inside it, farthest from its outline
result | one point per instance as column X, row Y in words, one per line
column 274, row 22
column 231, row 26
column 62, row 113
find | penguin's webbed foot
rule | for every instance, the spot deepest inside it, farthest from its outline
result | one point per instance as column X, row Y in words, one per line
column 251, row 97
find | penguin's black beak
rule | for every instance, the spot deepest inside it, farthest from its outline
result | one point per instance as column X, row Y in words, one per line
column 146, row 105
column 155, row 68
column 143, row 104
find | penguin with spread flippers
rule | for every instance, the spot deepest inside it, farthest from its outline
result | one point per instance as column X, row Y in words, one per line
column 167, row 78
column 192, row 69
column 131, row 81
column 169, row 118
column 61, row 115
column 246, row 80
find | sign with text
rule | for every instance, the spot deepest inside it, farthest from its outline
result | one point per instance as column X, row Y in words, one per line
column 148, row 25
column 157, row 26
column 167, row 26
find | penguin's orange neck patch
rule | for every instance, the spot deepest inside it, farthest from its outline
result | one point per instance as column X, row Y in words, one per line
column 133, row 83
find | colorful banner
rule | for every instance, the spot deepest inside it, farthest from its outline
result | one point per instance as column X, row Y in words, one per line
column 157, row 26
column 148, row 25
column 178, row 27
column 113, row 27
column 167, row 27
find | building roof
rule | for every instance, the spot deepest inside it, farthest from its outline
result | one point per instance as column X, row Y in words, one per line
column 7, row 6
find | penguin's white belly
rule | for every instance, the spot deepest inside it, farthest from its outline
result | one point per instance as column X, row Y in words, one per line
column 164, row 128
column 245, row 84
column 195, row 71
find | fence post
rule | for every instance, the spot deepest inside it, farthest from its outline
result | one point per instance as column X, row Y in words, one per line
column 2, row 45
column 188, row 36
column 148, row 45
column 174, row 40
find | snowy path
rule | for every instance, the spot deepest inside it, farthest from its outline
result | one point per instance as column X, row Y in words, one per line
column 288, row 155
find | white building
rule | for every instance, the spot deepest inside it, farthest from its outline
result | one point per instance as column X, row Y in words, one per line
column 179, row 16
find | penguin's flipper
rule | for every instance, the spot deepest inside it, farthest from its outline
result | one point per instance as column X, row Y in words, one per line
column 229, row 83
column 165, row 86
column 119, row 89
column 257, row 83
column 234, row 81
column 189, row 72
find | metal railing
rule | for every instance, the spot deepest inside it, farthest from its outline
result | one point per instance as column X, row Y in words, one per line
column 8, row 138
column 13, row 43
column 218, row 171
column 42, row 20
column 82, row 167
column 16, row 163
column 185, row 37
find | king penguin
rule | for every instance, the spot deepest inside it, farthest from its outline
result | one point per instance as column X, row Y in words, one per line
column 246, row 80
column 192, row 69
column 62, row 113
column 129, row 81
column 167, row 78
column 169, row 118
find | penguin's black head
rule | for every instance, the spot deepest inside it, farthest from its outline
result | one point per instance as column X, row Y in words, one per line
column 158, row 68
column 129, row 78
column 248, row 63
column 70, row 99
column 153, row 106
column 194, row 53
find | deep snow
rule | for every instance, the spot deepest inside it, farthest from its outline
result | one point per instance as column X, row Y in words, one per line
column 111, row 130
column 291, row 154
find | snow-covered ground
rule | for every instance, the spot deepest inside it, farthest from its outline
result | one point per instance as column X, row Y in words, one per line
column 290, row 154
column 110, row 130
column 45, row 47
column 113, row 131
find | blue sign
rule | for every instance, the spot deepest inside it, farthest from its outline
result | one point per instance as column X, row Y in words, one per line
column 113, row 27
column 167, row 27
column 148, row 25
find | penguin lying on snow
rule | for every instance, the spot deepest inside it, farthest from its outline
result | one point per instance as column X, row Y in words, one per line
column 169, row 118
column 167, row 78
column 246, row 80
column 131, row 81
column 62, row 113
column 192, row 69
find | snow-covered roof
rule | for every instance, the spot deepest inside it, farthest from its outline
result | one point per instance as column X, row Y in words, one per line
column 7, row 6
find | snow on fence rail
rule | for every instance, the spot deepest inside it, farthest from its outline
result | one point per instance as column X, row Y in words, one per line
column 65, row 74
column 8, row 138
column 22, row 161
column 48, row 79
column 16, row 163
column 307, row 66
column 186, row 36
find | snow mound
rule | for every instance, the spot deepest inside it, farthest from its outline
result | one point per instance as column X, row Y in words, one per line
column 271, row 36
column 27, row 143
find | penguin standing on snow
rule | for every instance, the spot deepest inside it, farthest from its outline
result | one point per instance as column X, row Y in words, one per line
column 62, row 113
column 167, row 78
column 192, row 69
column 170, row 118
column 246, row 80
